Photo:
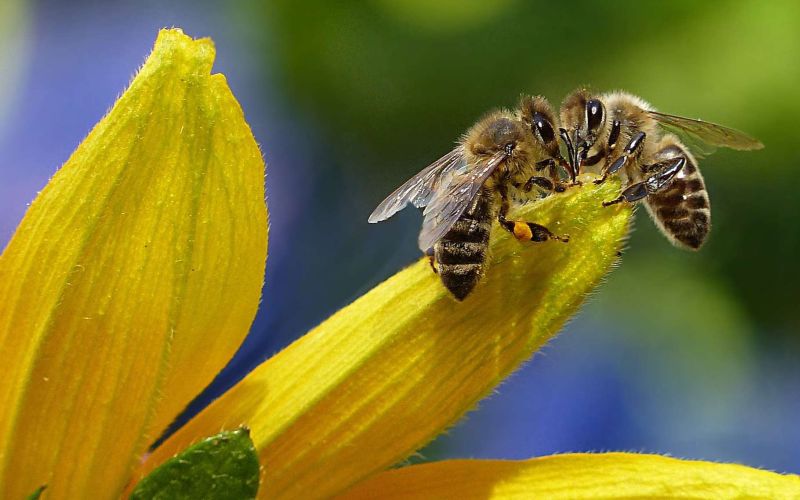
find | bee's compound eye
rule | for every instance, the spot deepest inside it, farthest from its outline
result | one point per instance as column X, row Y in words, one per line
column 544, row 127
column 594, row 114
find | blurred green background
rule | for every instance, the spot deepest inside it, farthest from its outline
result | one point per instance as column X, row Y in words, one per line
column 695, row 355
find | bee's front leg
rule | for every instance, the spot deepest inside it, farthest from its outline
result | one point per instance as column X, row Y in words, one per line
column 542, row 182
column 522, row 230
column 633, row 148
column 551, row 165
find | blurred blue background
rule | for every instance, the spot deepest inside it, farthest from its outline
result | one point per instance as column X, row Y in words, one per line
column 694, row 355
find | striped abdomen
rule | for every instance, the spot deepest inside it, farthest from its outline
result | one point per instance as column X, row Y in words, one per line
column 461, row 253
column 682, row 211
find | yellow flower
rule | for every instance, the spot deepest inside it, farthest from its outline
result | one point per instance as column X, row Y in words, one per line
column 132, row 279
column 580, row 475
column 136, row 274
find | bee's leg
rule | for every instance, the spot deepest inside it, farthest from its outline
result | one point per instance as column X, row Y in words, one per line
column 631, row 150
column 664, row 166
column 589, row 161
column 542, row 182
column 524, row 231
column 504, row 206
column 573, row 165
column 664, row 172
column 531, row 231
column 431, row 255
column 604, row 151
column 552, row 169
column 613, row 137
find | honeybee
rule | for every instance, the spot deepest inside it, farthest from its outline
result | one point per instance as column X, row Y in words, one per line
column 464, row 190
column 620, row 133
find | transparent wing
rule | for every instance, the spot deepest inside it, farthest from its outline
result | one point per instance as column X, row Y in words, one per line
column 699, row 148
column 708, row 133
column 448, row 205
column 419, row 189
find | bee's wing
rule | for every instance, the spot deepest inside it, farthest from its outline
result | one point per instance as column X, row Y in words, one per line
column 448, row 205
column 707, row 133
column 699, row 148
column 419, row 189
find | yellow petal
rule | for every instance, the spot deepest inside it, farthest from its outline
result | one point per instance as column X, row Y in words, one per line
column 385, row 375
column 132, row 279
column 578, row 476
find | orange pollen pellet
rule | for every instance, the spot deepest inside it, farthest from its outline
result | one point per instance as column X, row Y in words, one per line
column 522, row 231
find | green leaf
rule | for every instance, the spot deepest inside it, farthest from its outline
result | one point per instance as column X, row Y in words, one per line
column 36, row 494
column 224, row 466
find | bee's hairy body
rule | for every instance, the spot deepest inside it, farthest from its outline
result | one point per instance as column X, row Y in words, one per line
column 682, row 211
column 619, row 133
column 462, row 251
column 506, row 154
column 498, row 160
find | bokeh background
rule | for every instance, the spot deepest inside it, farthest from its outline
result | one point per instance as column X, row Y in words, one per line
column 694, row 355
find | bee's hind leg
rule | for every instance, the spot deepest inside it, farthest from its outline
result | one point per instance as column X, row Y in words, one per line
column 522, row 230
column 665, row 171
column 531, row 231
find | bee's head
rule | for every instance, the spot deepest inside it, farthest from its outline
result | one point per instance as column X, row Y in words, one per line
column 537, row 114
column 582, row 118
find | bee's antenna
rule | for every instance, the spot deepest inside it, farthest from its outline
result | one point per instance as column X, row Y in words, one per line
column 571, row 154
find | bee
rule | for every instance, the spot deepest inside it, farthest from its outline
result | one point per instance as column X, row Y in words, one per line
column 620, row 133
column 464, row 190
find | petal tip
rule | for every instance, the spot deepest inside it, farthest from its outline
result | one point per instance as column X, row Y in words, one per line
column 200, row 51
